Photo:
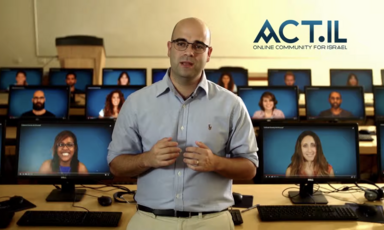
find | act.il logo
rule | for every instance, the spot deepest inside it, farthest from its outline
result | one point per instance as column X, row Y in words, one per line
column 332, row 36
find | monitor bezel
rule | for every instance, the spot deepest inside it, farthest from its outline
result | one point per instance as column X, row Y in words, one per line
column 60, row 178
column 330, row 76
column 298, row 180
column 378, row 148
column 256, row 122
column 127, row 69
column 137, row 87
column 2, row 149
column 335, row 119
column 11, row 121
column 376, row 87
column 292, row 70
column 157, row 69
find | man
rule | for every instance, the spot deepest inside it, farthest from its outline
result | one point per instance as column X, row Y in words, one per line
column 38, row 110
column 71, row 81
column 335, row 111
column 186, row 138
column 290, row 79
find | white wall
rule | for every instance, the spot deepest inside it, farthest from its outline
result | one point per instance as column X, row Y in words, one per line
column 360, row 22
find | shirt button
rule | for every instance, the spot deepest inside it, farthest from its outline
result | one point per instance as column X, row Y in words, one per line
column 182, row 128
column 179, row 173
column 184, row 106
column 178, row 196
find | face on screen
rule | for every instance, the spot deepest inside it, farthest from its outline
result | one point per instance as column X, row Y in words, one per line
column 38, row 100
column 70, row 80
column 352, row 80
column 308, row 148
column 123, row 79
column 66, row 150
column 268, row 103
column 335, row 100
column 289, row 80
column 21, row 78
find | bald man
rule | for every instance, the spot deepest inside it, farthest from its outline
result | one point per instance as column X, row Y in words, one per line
column 186, row 139
column 335, row 111
column 38, row 110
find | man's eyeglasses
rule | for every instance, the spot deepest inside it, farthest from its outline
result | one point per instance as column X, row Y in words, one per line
column 182, row 45
column 69, row 145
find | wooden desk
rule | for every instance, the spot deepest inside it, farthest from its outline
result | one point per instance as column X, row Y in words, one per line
column 262, row 194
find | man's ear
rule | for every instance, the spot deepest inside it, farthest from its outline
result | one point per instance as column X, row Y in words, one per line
column 169, row 46
column 210, row 49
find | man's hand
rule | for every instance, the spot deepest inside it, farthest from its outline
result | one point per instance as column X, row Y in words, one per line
column 200, row 158
column 163, row 153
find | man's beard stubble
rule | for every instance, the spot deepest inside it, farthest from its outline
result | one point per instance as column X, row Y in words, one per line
column 38, row 106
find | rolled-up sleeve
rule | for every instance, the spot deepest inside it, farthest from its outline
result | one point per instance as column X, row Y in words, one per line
column 242, row 140
column 125, row 136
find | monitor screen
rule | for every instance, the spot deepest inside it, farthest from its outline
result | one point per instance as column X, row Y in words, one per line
column 64, row 152
column 289, row 77
column 124, row 76
column 77, row 79
column 352, row 77
column 380, row 148
column 225, row 77
column 266, row 103
column 378, row 95
column 20, row 76
column 335, row 103
column 158, row 74
column 103, row 100
column 301, row 153
column 38, row 102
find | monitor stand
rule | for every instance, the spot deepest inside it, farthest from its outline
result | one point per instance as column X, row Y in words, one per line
column 67, row 193
column 306, row 195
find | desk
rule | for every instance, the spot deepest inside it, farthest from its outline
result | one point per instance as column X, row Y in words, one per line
column 263, row 194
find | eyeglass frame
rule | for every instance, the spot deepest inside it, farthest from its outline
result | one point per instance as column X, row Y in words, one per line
column 65, row 145
column 190, row 43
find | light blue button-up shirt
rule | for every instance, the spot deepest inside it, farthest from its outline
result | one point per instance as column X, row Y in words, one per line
column 214, row 116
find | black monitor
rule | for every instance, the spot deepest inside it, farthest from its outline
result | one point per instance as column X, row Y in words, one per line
column 305, row 154
column 332, row 103
column 65, row 152
column 2, row 149
column 380, row 147
column 382, row 77
column 158, row 74
column 19, row 76
column 38, row 102
column 378, row 102
column 223, row 75
column 280, row 101
column 288, row 77
column 352, row 77
column 119, row 76
column 101, row 99
column 77, row 79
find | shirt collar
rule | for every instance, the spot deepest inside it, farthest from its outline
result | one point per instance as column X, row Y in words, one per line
column 166, row 85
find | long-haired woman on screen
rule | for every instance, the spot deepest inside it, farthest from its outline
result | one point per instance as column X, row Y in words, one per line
column 21, row 78
column 308, row 158
column 352, row 80
column 65, row 156
column 226, row 81
column 113, row 104
column 124, row 79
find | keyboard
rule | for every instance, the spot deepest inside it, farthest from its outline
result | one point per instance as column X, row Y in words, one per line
column 305, row 212
column 236, row 216
column 70, row 219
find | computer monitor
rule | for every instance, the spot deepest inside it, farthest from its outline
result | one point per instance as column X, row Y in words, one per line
column 101, row 99
column 270, row 103
column 19, row 76
column 289, row 77
column 380, row 147
column 332, row 103
column 222, row 76
column 352, row 77
column 77, row 79
column 382, row 77
column 378, row 102
column 118, row 76
column 158, row 74
column 305, row 154
column 65, row 152
column 38, row 102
